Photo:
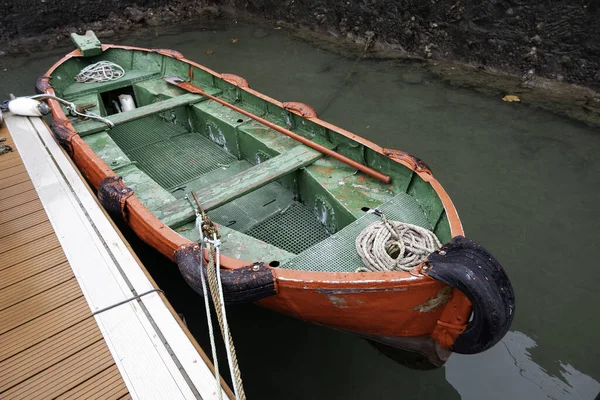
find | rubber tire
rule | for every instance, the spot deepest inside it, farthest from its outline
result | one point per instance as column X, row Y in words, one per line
column 468, row 267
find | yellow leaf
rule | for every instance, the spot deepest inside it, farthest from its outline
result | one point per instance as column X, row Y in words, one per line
column 510, row 98
column 277, row 28
column 234, row 40
column 209, row 52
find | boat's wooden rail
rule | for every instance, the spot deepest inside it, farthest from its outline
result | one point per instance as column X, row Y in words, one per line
column 180, row 212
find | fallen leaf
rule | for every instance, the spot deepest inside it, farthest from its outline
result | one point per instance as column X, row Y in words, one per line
column 234, row 40
column 510, row 98
column 209, row 52
column 277, row 28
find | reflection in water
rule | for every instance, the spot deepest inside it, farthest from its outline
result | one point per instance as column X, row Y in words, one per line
column 512, row 374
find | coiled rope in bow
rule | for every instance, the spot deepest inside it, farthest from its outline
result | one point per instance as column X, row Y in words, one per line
column 394, row 246
column 102, row 71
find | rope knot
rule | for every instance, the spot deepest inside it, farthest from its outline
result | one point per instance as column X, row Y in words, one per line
column 209, row 229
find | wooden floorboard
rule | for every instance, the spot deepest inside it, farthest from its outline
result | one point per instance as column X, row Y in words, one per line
column 24, row 222
column 50, row 344
column 10, row 171
column 26, row 235
column 28, row 250
column 15, row 190
column 13, row 180
column 24, row 209
column 31, row 267
column 17, row 200
column 43, row 327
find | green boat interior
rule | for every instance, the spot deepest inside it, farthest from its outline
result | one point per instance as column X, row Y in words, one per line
column 275, row 200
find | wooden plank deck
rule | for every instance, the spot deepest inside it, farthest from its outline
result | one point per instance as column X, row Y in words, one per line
column 52, row 346
column 61, row 258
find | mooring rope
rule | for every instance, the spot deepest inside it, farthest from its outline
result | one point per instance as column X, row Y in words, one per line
column 102, row 71
column 394, row 246
column 206, row 229
column 216, row 291
column 73, row 109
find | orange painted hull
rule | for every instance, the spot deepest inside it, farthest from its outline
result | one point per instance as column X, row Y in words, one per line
column 395, row 308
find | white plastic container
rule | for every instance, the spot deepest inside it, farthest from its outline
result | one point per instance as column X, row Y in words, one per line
column 127, row 103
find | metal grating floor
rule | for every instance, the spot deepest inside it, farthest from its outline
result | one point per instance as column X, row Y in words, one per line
column 142, row 132
column 245, row 213
column 337, row 253
column 167, row 153
column 293, row 230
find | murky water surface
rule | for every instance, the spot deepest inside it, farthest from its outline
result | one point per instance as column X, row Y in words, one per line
column 526, row 184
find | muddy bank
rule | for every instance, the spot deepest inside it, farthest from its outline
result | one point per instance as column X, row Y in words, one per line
column 546, row 54
column 574, row 101
column 554, row 39
column 27, row 25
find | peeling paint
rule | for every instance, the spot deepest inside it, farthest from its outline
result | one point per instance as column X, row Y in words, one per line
column 337, row 301
column 364, row 290
column 440, row 299
column 325, row 213
column 216, row 135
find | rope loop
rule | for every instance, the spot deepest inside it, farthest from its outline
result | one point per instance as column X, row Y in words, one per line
column 393, row 246
column 102, row 71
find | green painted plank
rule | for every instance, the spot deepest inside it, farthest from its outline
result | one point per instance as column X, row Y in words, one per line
column 89, row 127
column 105, row 147
column 150, row 193
column 88, row 44
column 180, row 212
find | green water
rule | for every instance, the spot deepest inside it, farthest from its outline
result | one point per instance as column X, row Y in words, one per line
column 525, row 183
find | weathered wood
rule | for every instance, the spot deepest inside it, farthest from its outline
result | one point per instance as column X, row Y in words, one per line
column 180, row 211
column 89, row 127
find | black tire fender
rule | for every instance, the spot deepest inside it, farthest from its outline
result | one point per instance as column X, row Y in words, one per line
column 241, row 285
column 468, row 267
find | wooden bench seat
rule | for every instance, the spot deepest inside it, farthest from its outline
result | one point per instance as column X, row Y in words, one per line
column 180, row 212
column 88, row 127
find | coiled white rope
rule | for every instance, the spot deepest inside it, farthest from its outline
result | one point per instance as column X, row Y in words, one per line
column 394, row 246
column 102, row 71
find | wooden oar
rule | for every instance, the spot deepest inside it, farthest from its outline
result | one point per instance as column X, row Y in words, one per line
column 354, row 164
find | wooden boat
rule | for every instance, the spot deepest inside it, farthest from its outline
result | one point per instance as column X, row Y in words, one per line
column 288, row 208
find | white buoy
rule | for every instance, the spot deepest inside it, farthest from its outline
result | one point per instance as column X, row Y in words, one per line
column 27, row 107
column 127, row 103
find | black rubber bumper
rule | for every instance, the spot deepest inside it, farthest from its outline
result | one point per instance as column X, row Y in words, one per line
column 467, row 266
column 241, row 285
